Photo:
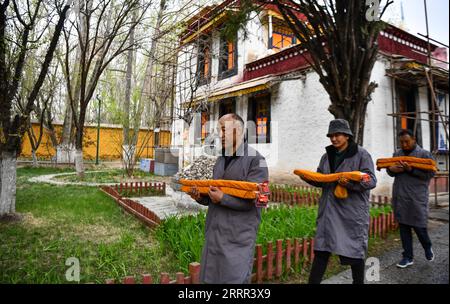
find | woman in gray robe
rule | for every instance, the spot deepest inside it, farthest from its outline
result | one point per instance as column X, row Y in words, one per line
column 343, row 224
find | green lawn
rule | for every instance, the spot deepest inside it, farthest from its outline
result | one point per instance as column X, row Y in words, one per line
column 111, row 176
column 74, row 221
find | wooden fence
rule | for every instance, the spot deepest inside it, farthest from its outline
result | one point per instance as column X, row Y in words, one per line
column 136, row 189
column 140, row 189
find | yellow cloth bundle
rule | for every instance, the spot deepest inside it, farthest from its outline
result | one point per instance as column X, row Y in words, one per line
column 246, row 190
column 426, row 164
column 340, row 191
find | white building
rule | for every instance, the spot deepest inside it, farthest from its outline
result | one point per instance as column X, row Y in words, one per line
column 263, row 77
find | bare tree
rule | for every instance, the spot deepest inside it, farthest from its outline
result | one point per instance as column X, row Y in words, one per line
column 101, row 30
column 341, row 42
column 42, row 113
column 17, row 21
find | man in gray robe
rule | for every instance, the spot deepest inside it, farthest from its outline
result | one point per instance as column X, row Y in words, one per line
column 231, row 222
column 410, row 198
column 343, row 224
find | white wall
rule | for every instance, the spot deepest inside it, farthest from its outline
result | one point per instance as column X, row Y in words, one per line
column 379, row 128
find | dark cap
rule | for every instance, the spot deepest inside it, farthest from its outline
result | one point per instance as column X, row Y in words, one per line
column 339, row 126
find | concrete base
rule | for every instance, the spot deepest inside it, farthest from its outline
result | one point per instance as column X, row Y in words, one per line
column 165, row 169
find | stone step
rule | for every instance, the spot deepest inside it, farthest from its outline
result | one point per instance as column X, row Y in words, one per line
column 163, row 207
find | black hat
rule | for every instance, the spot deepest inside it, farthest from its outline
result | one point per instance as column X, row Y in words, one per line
column 339, row 126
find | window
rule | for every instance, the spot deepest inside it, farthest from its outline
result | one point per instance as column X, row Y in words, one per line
column 227, row 59
column 406, row 102
column 204, row 60
column 205, row 131
column 227, row 106
column 281, row 38
column 259, row 113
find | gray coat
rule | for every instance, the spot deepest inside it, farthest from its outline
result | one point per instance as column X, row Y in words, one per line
column 410, row 192
column 343, row 224
column 232, row 225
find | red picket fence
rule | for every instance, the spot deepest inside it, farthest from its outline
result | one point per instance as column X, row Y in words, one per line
column 140, row 188
column 299, row 195
column 284, row 257
column 192, row 278
column 287, row 256
column 138, row 210
column 382, row 224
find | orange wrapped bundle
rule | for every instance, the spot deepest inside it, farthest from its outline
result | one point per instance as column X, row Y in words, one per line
column 426, row 164
column 241, row 189
column 340, row 191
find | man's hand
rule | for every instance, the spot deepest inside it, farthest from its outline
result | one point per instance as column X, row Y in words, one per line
column 343, row 181
column 406, row 166
column 397, row 169
column 194, row 193
column 215, row 194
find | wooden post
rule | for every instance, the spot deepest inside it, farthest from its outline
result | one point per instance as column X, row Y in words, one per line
column 269, row 260
column 147, row 279
column 296, row 252
column 180, row 278
column 279, row 258
column 288, row 255
column 128, row 280
column 194, row 271
column 164, row 278
column 259, row 264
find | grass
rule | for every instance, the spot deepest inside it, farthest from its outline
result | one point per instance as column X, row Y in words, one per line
column 110, row 176
column 74, row 221
column 294, row 189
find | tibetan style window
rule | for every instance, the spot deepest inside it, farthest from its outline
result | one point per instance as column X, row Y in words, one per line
column 227, row 58
column 205, row 131
column 204, row 60
column 259, row 114
column 282, row 37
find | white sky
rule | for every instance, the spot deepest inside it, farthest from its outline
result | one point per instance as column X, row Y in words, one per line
column 414, row 17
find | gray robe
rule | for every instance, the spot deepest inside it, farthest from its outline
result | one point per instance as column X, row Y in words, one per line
column 343, row 224
column 410, row 193
column 232, row 226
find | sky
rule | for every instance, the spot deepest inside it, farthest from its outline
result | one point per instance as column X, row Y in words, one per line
column 414, row 17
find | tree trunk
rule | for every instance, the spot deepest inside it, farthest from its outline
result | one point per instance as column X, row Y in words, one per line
column 79, row 166
column 8, row 183
column 35, row 160
column 128, row 156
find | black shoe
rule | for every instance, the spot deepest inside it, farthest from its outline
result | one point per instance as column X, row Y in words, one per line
column 405, row 262
column 429, row 254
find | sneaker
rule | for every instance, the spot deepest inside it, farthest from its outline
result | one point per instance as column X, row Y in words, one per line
column 405, row 262
column 429, row 254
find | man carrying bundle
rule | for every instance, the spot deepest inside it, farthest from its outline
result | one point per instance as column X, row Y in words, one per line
column 343, row 220
column 410, row 197
column 232, row 222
